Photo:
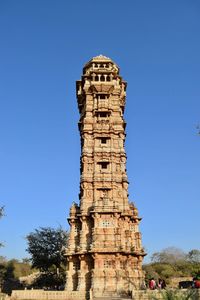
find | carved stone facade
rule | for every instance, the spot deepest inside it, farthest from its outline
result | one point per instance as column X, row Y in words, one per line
column 104, row 253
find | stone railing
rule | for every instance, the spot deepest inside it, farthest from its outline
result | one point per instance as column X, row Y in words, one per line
column 78, row 295
column 47, row 295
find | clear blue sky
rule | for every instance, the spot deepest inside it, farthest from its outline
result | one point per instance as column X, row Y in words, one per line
column 43, row 47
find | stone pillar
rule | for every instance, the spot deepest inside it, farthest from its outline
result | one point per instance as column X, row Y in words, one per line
column 69, row 273
column 71, row 244
column 83, row 234
column 82, row 274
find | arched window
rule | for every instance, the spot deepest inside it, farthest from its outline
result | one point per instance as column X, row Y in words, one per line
column 76, row 265
column 108, row 78
column 102, row 78
column 102, row 96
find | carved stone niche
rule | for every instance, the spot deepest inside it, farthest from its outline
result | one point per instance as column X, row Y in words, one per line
column 104, row 196
column 104, row 192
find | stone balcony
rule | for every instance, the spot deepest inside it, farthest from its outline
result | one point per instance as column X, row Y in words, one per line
column 105, row 208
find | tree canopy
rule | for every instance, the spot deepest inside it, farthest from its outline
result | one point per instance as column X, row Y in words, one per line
column 194, row 256
column 11, row 271
column 173, row 262
column 170, row 255
column 47, row 247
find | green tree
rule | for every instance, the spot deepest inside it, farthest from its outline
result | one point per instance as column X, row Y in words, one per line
column 21, row 268
column 150, row 272
column 10, row 281
column 11, row 271
column 193, row 260
column 47, row 247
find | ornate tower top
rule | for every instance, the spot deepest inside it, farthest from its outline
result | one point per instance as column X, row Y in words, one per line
column 101, row 63
column 100, row 58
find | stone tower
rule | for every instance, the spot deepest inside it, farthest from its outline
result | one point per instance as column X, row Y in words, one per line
column 104, row 252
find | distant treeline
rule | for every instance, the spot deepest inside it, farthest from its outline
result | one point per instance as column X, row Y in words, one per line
column 173, row 262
